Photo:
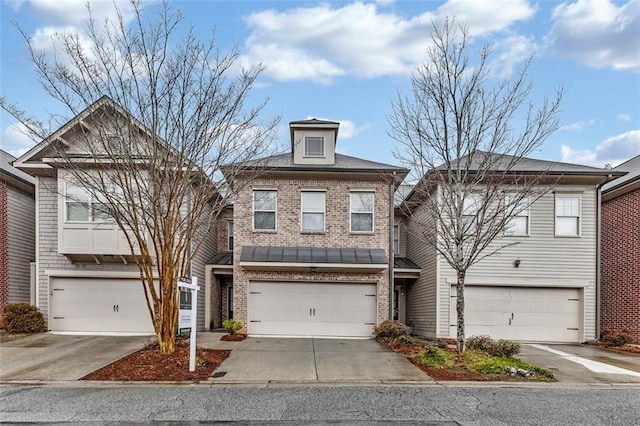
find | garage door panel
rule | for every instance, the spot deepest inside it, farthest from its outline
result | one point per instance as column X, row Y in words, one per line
column 93, row 305
column 311, row 309
column 516, row 313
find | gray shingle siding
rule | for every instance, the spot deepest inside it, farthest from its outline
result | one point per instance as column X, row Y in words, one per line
column 48, row 256
column 20, row 243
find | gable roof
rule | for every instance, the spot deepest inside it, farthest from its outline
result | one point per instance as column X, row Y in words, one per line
column 629, row 180
column 7, row 169
column 476, row 161
column 527, row 165
column 31, row 159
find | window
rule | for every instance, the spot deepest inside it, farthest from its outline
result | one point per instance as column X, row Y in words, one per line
column 519, row 223
column 470, row 207
column 313, row 205
column 567, row 215
column 78, row 202
column 361, row 211
column 82, row 207
column 314, row 146
column 230, row 235
column 264, row 209
column 396, row 239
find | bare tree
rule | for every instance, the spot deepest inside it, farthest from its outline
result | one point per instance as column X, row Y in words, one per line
column 154, row 114
column 456, row 131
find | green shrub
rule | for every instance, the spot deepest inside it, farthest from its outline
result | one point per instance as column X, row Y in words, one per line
column 390, row 329
column 438, row 342
column 437, row 358
column 232, row 326
column 506, row 348
column 405, row 340
column 22, row 318
column 616, row 337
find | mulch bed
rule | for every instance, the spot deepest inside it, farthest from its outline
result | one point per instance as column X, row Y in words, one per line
column 149, row 364
column 233, row 338
column 411, row 353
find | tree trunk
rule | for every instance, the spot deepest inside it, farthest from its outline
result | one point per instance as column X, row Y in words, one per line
column 168, row 325
column 460, row 310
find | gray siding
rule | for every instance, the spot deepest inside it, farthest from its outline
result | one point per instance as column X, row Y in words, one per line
column 422, row 294
column 206, row 252
column 21, row 243
column 545, row 259
column 48, row 256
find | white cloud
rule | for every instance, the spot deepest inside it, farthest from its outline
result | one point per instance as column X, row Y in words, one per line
column 576, row 126
column 16, row 140
column 613, row 150
column 598, row 33
column 74, row 12
column 324, row 42
column 623, row 117
column 347, row 129
column 512, row 51
column 485, row 17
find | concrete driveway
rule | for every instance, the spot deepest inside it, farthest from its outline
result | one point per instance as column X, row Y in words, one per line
column 50, row 357
column 261, row 359
column 584, row 364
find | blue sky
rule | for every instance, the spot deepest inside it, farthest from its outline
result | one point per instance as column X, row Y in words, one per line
column 345, row 61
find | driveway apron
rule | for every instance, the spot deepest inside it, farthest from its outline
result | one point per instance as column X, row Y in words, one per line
column 584, row 364
column 262, row 359
column 60, row 357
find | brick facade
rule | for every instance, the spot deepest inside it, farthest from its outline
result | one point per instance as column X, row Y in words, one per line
column 288, row 233
column 620, row 279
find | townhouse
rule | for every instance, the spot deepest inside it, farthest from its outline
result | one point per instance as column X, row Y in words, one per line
column 317, row 243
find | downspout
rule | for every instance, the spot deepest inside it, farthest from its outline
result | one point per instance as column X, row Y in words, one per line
column 598, row 249
column 391, row 254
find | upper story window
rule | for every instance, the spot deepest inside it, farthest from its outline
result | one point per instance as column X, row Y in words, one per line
column 314, row 146
column 567, row 215
column 518, row 225
column 396, row 239
column 470, row 208
column 82, row 207
column 230, row 235
column 264, row 209
column 361, row 211
column 313, row 210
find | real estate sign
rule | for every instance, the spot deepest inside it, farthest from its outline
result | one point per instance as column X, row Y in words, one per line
column 185, row 311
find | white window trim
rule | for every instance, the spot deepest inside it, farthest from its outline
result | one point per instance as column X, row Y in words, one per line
column 528, row 216
column 555, row 215
column 230, row 235
column 324, row 212
column 324, row 147
column 253, row 208
column 373, row 211
column 477, row 201
column 90, row 206
column 396, row 252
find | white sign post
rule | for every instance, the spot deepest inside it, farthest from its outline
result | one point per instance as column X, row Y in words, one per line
column 193, row 286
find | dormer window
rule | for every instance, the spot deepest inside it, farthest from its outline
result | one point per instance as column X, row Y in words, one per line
column 314, row 146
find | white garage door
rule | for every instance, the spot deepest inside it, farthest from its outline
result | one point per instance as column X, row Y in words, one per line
column 302, row 309
column 94, row 305
column 515, row 313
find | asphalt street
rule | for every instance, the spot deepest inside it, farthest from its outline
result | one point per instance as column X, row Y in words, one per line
column 432, row 404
